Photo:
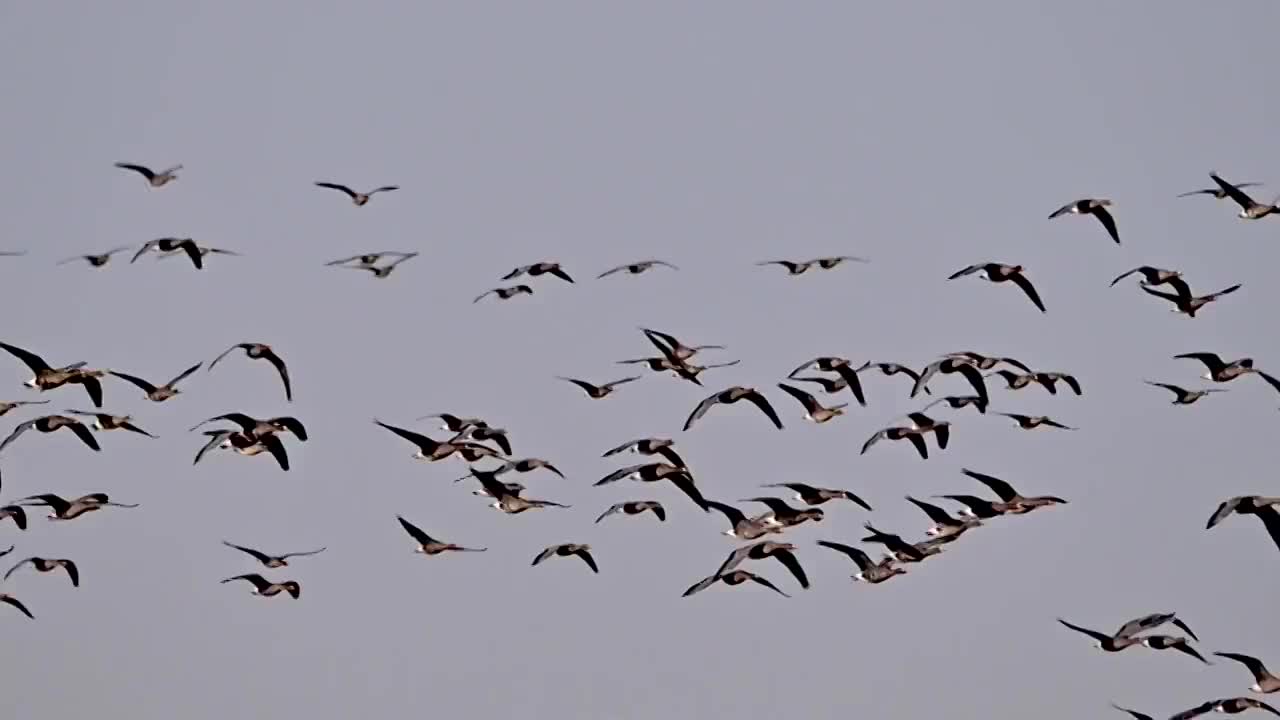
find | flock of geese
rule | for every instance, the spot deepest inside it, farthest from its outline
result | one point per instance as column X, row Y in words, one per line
column 492, row 465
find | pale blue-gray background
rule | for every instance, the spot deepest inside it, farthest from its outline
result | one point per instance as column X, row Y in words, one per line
column 926, row 136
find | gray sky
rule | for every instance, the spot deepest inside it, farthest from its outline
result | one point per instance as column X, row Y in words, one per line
column 926, row 136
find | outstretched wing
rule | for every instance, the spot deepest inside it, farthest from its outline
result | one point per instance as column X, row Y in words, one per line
column 1021, row 281
column 341, row 188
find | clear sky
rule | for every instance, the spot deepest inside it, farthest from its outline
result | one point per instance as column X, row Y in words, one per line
column 925, row 136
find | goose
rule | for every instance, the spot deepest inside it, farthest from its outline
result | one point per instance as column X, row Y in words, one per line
column 1184, row 302
column 486, row 433
column 782, row 552
column 455, row 423
column 204, row 251
column 868, row 571
column 635, row 268
column 811, row 495
column 429, row 449
column 672, row 348
column 958, row 402
column 828, row 263
column 357, row 198
column 830, row 385
column 1031, row 422
column 1107, row 643
column 1250, row 209
column 1050, row 380
column 95, row 260
column 732, row 395
column 154, row 179
column 539, row 268
column 266, row 588
column 7, row 407
column 271, row 561
column 169, row 244
column 428, row 545
column 62, row 509
column 815, row 411
column 1150, row 275
column 681, row 369
column 504, row 293
column 1219, row 192
column 899, row 433
column 653, row 472
column 842, row 367
column 636, row 507
column 371, row 258
column 53, row 423
column 525, row 465
column 786, row 515
column 1183, row 396
column 46, row 377
column 11, row 600
column 596, row 392
column 1220, row 371
column 793, row 267
column 1168, row 642
column 255, row 428
column 385, row 270
column 979, row 508
column 944, row 525
column 1013, row 380
column 949, row 366
column 890, row 369
column 504, row 499
column 899, row 548
column 732, row 579
column 1232, row 706
column 1263, row 680
column 158, row 393
column 45, row 565
column 1017, row 503
column 106, row 421
column 1096, row 207
column 741, row 526
column 998, row 273
column 987, row 362
column 1153, row 621
column 1264, row 508
column 566, row 550
column 245, row 444
column 261, row 351
column 650, row 446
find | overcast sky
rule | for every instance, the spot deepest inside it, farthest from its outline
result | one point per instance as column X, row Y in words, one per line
column 713, row 135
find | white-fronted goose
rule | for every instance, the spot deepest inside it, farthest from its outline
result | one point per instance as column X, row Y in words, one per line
column 898, row 433
column 793, row 267
column 245, row 444
column 1150, row 275
column 62, row 509
column 1218, row 192
column 1264, row 508
column 950, row 366
column 1096, row 207
column 1152, row 621
column 255, row 428
column 45, row 377
column 371, row 258
column 154, row 179
column 1017, row 503
column 1107, row 643
column 504, row 499
column 787, row 515
column 732, row 395
column 7, row 407
column 635, row 507
column 681, row 369
column 742, row 527
column 650, row 446
column 1263, row 681
column 455, row 423
column 486, row 433
column 782, row 552
column 732, row 579
column 385, row 270
column 987, row 362
column 8, row 599
column 1183, row 396
column 1168, row 642
column 429, row 449
column 814, row 411
column 1220, row 371
column 45, row 565
column 357, row 198
column 1013, row 380
column 944, row 525
column 271, row 561
column 1184, row 302
column 842, row 367
column 901, row 549
column 811, row 495
column 677, row 351
column 998, row 273
column 539, row 268
column 428, row 545
column 868, row 571
column 1232, row 706
column 958, row 402
column 158, row 393
column 525, row 465
column 1048, row 380
column 635, row 268
column 657, row 471
column 1250, row 209
column 262, row 351
column 53, row 423
column 890, row 369
column 504, row 293
column 106, row 421
column 204, row 250
column 95, row 260
column 596, row 392
column 169, row 244
column 567, row 549
column 266, row 588
column 1031, row 422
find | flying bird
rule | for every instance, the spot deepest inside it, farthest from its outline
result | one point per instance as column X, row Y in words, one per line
column 266, row 588
column 868, row 571
column 371, row 258
column 539, row 268
column 636, row 507
column 1031, row 422
column 597, row 392
column 811, row 495
column 1150, row 275
column 1263, row 680
column 62, row 509
column 1250, row 209
column 170, row 244
column 1218, row 192
column 813, row 410
column 95, row 260
column 566, row 550
column 1184, row 302
column 1219, row 370
column 732, row 395
column 9, row 406
column 649, row 446
column 158, row 393
column 1015, row 502
column 261, row 351
column 732, row 579
column 385, row 270
column 1183, row 396
column 636, row 268
column 966, row 367
column 782, row 552
column 271, row 561
column 47, row 377
column 428, row 545
column 52, row 423
column 154, row 179
column 106, row 421
column 998, row 273
column 1096, row 207
column 743, row 527
column 504, row 293
column 1107, row 643
column 45, row 565
column 357, row 198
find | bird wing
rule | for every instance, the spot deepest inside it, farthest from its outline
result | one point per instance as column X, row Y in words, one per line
column 925, row 375
column 966, row 271
column 14, row 569
column 415, row 532
column 789, row 560
column 141, row 170
column 658, row 510
column 1255, row 666
column 1108, row 222
column 698, row 411
column 873, row 440
column 560, row 273
column 224, row 353
column 684, row 482
column 258, row 581
column 586, row 557
column 763, row 581
column 245, row 422
column 184, row 374
column 623, row 381
column 615, row 508
column 21, row 428
column 30, row 359
column 1124, row 275
column 1270, row 518
column 146, row 386
column 84, row 433
column 1021, row 281
column 276, row 448
column 293, row 425
column 734, row 514
column 611, row 271
column 425, row 443
column 1134, row 713
column 1163, row 295
column 1062, row 210
column 851, row 379
column 809, row 402
column 701, row 585
column 546, row 553
column 259, row 556
column 1224, row 291
column 1001, row 488
column 384, row 188
column 860, row 558
column 11, row 600
column 1212, row 362
column 669, row 453
column 935, row 513
column 335, row 186
column 1239, row 196
column 762, row 402
column 621, row 448
column 1100, row 637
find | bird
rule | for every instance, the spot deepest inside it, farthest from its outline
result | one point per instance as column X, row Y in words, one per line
column 782, row 552
column 204, row 251
column 998, row 273
column 266, row 588
column 741, row 526
column 672, row 348
column 498, row 436
column 429, row 449
column 505, row 499
column 913, row 435
column 1218, row 370
column 455, row 423
column 539, row 268
column 1096, row 207
column 966, row 367
column 525, row 465
column 1017, row 503
column 811, row 495
column 357, row 198
column 45, row 565
column 1031, row 422
column 636, row 507
column 53, row 423
column 1184, row 302
column 62, row 509
column 1218, row 192
column 169, row 244
column 868, row 571
column 271, row 561
column 257, row 429
column 428, row 545
column 1167, row 642
column 567, row 549
column 682, row 369
column 505, row 293
column 1153, row 621
column 106, row 421
column 1232, row 706
column 814, row 410
column 154, row 179
column 732, row 579
column 899, row 548
column 649, row 446
column 635, row 268
column 842, row 367
column 957, row 402
column 11, row 600
column 1264, row 508
column 890, row 369
column 786, row 515
column 95, row 260
column 261, row 351
column 1250, row 209
column 8, row 406
column 385, row 270
column 370, row 258
column 793, row 267
column 1150, row 275
column 732, row 395
column 1183, row 396
column 46, row 377
column 596, row 392
column 1107, row 643
column 158, row 393
column 944, row 525
column 655, row 472
column 1263, row 680
column 245, row 444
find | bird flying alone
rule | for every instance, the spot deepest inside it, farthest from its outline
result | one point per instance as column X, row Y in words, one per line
column 1096, row 207
column 154, row 179
column 635, row 268
column 170, row 244
column 998, row 273
column 357, row 198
